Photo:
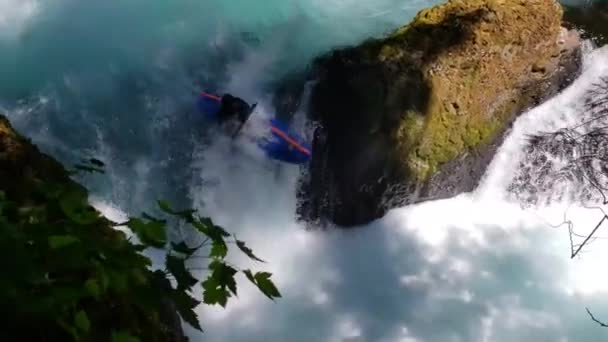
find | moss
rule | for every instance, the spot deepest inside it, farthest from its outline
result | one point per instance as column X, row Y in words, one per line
column 412, row 126
column 470, row 53
column 469, row 80
column 446, row 136
column 440, row 147
column 436, row 89
column 472, row 76
column 388, row 52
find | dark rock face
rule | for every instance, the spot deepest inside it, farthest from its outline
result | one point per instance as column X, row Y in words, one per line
column 591, row 19
column 345, row 155
column 420, row 114
column 288, row 95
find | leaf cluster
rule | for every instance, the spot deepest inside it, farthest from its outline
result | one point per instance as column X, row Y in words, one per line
column 220, row 284
column 70, row 275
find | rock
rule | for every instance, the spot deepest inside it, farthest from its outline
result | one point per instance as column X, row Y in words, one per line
column 288, row 95
column 419, row 114
column 591, row 19
column 22, row 165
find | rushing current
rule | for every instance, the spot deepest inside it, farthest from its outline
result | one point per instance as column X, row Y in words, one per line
column 117, row 79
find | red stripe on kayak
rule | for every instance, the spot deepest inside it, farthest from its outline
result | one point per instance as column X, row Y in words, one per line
column 290, row 141
column 213, row 97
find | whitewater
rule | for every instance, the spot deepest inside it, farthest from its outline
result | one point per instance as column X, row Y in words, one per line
column 116, row 81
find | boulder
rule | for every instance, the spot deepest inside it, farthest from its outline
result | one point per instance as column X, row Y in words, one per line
column 591, row 19
column 419, row 114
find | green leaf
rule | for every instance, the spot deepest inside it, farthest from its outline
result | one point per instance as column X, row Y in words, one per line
column 139, row 248
column 139, row 277
column 214, row 293
column 88, row 168
column 206, row 226
column 151, row 233
column 218, row 232
column 151, row 218
column 61, row 241
column 183, row 248
column 51, row 191
column 81, row 321
column 67, row 293
column 69, row 328
column 219, row 284
column 166, row 207
column 2, row 201
column 77, row 209
column 185, row 214
column 201, row 227
column 224, row 274
column 219, row 249
column 214, row 229
column 185, row 305
column 104, row 280
column 118, row 281
column 250, row 276
column 92, row 286
column 123, row 336
column 247, row 251
column 178, row 269
column 262, row 280
column 96, row 162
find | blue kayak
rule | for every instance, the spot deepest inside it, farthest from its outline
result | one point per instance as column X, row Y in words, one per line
column 281, row 143
column 209, row 105
column 284, row 145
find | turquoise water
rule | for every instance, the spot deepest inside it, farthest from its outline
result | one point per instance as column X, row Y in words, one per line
column 67, row 36
column 117, row 79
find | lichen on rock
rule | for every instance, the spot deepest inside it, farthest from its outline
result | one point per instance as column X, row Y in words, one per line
column 399, row 109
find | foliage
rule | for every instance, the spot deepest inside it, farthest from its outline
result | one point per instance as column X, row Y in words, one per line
column 220, row 283
column 68, row 275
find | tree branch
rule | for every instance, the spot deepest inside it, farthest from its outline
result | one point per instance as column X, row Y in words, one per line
column 602, row 324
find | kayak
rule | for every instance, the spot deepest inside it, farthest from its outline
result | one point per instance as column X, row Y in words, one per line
column 285, row 145
column 279, row 142
column 209, row 105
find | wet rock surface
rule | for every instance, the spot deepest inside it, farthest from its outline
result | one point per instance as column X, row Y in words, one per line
column 419, row 115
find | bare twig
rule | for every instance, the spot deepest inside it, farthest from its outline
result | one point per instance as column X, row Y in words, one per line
column 602, row 324
column 584, row 150
column 589, row 236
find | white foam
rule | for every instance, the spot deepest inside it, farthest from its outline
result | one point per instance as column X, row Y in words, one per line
column 496, row 271
column 471, row 268
column 15, row 16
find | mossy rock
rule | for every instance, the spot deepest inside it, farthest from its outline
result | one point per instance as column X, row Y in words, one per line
column 395, row 111
column 591, row 19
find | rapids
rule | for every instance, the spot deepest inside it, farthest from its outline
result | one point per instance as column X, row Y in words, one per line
column 117, row 80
